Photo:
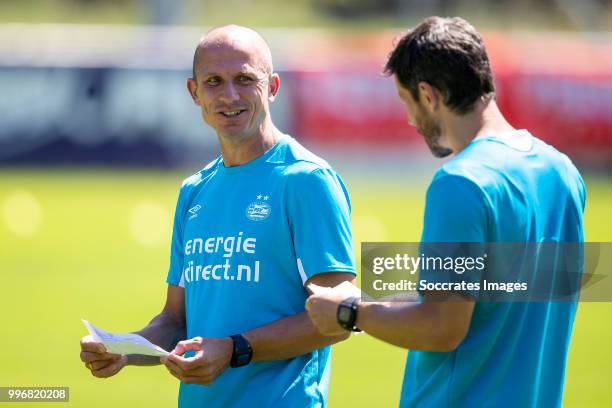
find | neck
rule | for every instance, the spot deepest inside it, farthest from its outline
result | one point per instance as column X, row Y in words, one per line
column 237, row 151
column 484, row 119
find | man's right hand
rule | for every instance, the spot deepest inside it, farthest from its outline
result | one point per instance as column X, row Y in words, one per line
column 98, row 361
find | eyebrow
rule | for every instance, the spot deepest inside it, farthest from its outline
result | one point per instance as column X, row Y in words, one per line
column 253, row 75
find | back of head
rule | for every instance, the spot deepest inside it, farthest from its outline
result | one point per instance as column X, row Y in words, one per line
column 447, row 53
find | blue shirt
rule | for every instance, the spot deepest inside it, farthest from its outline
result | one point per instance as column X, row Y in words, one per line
column 510, row 189
column 246, row 239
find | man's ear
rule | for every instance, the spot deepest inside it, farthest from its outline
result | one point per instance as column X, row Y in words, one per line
column 273, row 87
column 431, row 96
column 192, row 87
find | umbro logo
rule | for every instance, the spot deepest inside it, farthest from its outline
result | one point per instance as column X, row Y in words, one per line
column 194, row 211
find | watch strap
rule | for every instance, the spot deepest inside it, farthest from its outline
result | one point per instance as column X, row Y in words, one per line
column 349, row 304
column 242, row 353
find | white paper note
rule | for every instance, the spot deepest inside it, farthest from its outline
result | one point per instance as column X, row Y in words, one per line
column 346, row 289
column 124, row 343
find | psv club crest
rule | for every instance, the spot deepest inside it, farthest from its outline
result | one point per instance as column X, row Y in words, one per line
column 259, row 209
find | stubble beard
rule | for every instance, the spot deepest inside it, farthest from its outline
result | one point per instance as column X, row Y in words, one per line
column 432, row 133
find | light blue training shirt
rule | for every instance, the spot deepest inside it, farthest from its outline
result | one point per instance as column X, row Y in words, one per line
column 501, row 189
column 245, row 240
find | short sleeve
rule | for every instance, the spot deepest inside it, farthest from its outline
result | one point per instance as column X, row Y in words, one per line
column 582, row 193
column 454, row 226
column 319, row 216
column 455, row 211
column 175, row 272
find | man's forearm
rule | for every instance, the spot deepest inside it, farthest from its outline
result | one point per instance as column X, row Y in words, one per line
column 287, row 338
column 417, row 326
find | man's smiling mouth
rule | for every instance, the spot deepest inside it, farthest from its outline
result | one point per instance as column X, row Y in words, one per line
column 232, row 114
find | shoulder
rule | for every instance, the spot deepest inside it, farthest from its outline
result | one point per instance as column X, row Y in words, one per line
column 567, row 168
column 191, row 184
column 300, row 165
column 560, row 160
column 297, row 159
column 462, row 175
column 309, row 177
column 457, row 193
column 197, row 178
column 303, row 166
column 453, row 189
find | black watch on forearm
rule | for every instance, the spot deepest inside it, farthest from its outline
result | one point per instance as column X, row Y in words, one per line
column 347, row 314
column 242, row 353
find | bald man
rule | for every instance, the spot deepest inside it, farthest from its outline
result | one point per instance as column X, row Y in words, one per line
column 251, row 230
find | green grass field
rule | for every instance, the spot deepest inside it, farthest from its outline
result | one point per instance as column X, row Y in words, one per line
column 94, row 244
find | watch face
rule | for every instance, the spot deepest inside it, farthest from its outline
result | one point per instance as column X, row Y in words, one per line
column 344, row 314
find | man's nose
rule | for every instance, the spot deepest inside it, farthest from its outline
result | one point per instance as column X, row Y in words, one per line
column 229, row 93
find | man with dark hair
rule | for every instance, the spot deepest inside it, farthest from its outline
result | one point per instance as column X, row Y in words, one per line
column 448, row 55
column 245, row 246
column 502, row 185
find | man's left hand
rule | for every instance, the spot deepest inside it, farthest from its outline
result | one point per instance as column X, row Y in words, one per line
column 212, row 357
column 323, row 309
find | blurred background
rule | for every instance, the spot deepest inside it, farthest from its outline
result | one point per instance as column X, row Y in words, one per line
column 97, row 131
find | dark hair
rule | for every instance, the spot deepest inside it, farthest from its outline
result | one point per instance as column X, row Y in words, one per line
column 447, row 53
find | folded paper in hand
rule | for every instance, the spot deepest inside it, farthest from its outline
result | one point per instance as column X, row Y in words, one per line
column 124, row 343
column 346, row 289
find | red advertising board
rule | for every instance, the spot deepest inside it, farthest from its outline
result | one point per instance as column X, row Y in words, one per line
column 559, row 89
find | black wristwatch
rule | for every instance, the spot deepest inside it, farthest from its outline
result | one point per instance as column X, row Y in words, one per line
column 347, row 314
column 242, row 353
